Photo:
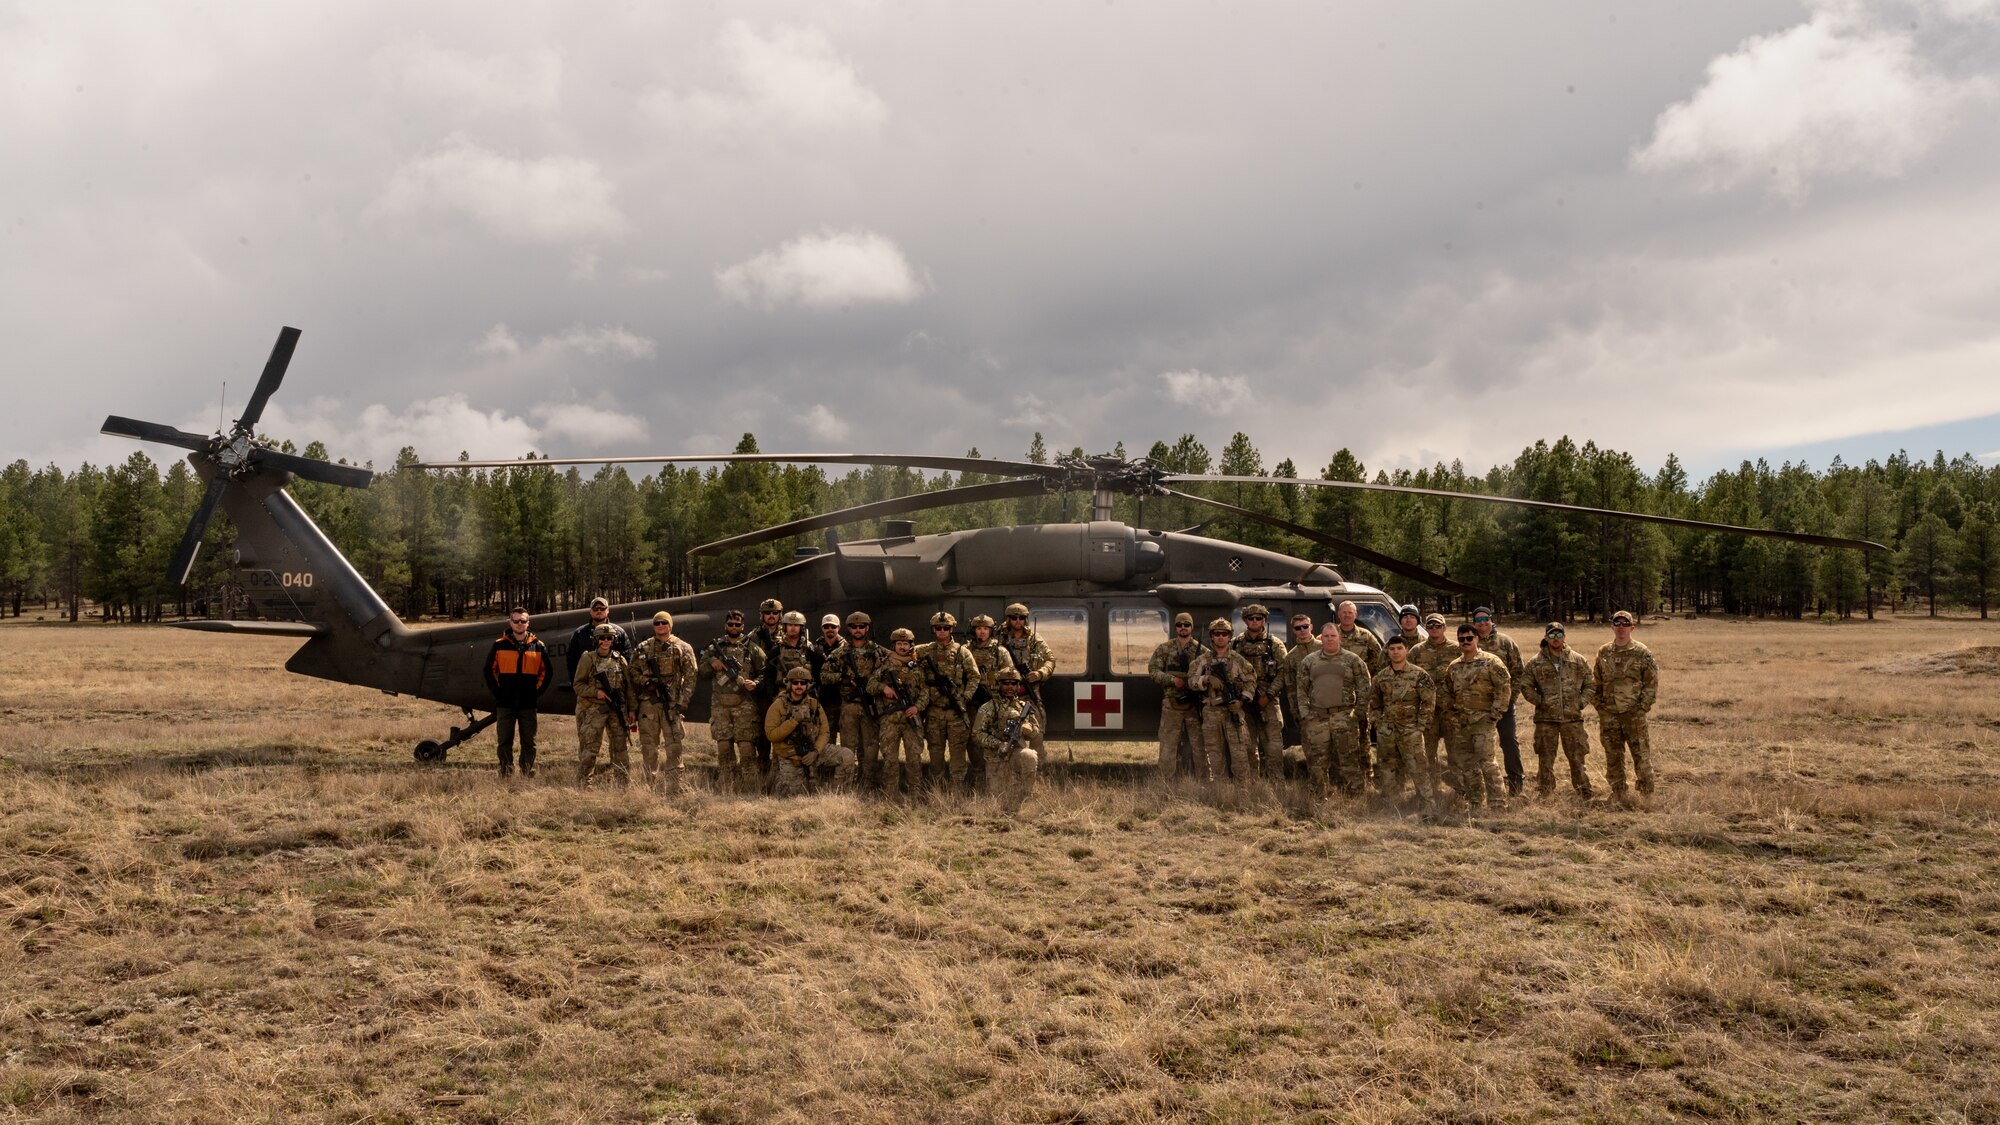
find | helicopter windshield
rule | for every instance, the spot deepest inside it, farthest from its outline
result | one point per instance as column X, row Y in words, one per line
column 1378, row 619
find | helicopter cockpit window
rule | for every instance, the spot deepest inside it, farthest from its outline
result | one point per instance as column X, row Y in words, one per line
column 1065, row 627
column 1378, row 619
column 1135, row 632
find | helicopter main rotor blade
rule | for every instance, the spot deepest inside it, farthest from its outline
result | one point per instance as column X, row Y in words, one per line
column 177, row 571
column 1354, row 550
column 895, row 506
column 1642, row 517
column 274, row 373
column 152, row 431
column 896, row 460
column 348, row 476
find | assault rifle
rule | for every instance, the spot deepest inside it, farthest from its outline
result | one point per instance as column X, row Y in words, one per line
column 1010, row 735
column 1178, row 666
column 942, row 683
column 803, row 752
column 616, row 699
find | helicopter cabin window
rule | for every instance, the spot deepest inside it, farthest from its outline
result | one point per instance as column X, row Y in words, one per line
column 1135, row 632
column 1065, row 628
column 1377, row 619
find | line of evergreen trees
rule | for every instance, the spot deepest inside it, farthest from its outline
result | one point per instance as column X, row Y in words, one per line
column 469, row 542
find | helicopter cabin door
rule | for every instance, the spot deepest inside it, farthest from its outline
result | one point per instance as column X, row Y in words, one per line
column 1101, row 690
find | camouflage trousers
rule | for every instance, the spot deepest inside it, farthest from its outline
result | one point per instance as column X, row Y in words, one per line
column 861, row 732
column 1225, row 738
column 1177, row 723
column 733, row 724
column 1435, row 736
column 593, row 722
column 1474, row 748
column 1619, row 733
column 660, row 738
column 1334, row 751
column 901, row 738
column 1267, row 739
column 1400, row 757
column 1575, row 744
column 1014, row 777
column 789, row 776
column 949, row 737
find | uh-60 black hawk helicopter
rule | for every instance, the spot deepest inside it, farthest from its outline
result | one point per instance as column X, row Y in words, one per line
column 1102, row 592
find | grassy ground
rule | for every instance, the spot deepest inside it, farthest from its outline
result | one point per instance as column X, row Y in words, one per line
column 226, row 893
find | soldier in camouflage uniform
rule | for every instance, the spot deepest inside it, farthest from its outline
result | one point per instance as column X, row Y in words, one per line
column 1266, row 721
column 800, row 738
column 1332, row 685
column 766, row 636
column 1476, row 689
column 1180, row 715
column 989, row 654
column 1362, row 642
column 1401, row 702
column 829, row 641
column 1303, row 642
column 663, row 673
column 849, row 671
column 1225, row 680
column 737, row 667
column 953, row 677
column 1433, row 656
column 1032, row 658
column 1628, row 684
column 1014, row 760
column 905, row 695
column 603, row 705
column 1560, row 683
column 1501, row 645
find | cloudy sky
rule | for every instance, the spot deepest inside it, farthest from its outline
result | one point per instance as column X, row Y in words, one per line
column 1419, row 231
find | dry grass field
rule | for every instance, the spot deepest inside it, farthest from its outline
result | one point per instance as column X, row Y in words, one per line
column 228, row 894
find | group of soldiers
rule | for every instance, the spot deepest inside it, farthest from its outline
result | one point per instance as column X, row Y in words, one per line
column 788, row 712
column 1225, row 704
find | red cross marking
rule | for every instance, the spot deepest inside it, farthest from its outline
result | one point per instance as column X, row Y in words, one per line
column 1098, row 705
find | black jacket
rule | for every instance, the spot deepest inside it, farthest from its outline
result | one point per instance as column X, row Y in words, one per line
column 517, row 673
column 580, row 642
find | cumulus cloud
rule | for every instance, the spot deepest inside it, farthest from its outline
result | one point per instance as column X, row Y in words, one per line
column 612, row 341
column 791, row 78
column 589, row 426
column 1835, row 95
column 824, row 424
column 1214, row 395
column 832, row 269
column 552, row 199
column 459, row 81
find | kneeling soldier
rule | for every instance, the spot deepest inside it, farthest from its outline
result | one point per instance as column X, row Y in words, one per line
column 1005, row 731
column 1560, row 683
column 797, row 727
column 603, row 705
column 663, row 671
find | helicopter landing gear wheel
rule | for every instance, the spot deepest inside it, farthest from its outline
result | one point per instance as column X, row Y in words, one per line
column 430, row 751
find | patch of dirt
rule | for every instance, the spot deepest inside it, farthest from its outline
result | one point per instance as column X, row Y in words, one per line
column 1981, row 660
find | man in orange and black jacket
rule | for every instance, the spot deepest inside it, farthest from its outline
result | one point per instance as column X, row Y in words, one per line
column 517, row 672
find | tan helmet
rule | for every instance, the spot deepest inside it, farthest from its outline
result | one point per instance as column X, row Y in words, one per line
column 943, row 618
column 799, row 675
column 793, row 617
column 1254, row 610
column 981, row 619
column 901, row 635
column 770, row 605
column 663, row 618
column 858, row 618
column 1008, row 676
column 1017, row 610
column 603, row 633
column 1219, row 625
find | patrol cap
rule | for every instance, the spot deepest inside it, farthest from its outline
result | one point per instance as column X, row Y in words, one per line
column 1219, row 625
column 603, row 633
column 1184, row 619
column 1007, row 676
column 663, row 618
column 1017, row 610
column 770, row 605
column 943, row 618
column 1434, row 619
column 733, row 615
column 981, row 619
column 1555, row 629
column 832, row 619
column 901, row 635
column 794, row 617
column 599, row 603
column 1624, row 617
column 1255, row 611
column 799, row 675
column 859, row 618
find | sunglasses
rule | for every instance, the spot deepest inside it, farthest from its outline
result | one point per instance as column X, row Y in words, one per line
column 518, row 621
column 1017, row 617
column 661, row 625
column 1183, row 626
column 1302, row 627
column 940, row 628
column 1482, row 620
